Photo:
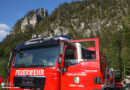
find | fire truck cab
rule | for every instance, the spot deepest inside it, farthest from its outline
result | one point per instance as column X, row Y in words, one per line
column 57, row 63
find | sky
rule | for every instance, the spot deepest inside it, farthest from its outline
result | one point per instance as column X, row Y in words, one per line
column 13, row 10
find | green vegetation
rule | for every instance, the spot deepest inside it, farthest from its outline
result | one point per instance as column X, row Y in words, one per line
column 109, row 20
column 3, row 68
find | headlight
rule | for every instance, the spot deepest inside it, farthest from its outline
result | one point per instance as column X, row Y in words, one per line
column 2, row 84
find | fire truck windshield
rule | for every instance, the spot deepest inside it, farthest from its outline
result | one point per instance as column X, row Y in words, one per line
column 40, row 57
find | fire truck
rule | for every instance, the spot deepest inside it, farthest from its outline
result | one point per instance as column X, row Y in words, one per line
column 118, row 85
column 118, row 79
column 57, row 63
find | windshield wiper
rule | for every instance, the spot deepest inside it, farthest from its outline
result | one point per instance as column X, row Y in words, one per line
column 35, row 65
column 19, row 65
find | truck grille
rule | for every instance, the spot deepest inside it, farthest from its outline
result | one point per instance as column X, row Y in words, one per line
column 29, row 82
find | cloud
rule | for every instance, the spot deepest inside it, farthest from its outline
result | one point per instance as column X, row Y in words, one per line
column 4, row 27
column 4, row 30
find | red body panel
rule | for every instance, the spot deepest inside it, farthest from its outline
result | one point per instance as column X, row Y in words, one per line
column 86, row 71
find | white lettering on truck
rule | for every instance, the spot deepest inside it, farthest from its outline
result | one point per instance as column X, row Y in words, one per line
column 35, row 72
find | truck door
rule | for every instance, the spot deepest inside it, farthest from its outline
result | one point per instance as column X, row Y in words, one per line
column 72, row 75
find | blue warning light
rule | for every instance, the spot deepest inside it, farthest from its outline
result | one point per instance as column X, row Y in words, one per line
column 62, row 36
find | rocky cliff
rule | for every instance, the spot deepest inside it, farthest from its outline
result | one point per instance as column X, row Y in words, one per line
column 30, row 19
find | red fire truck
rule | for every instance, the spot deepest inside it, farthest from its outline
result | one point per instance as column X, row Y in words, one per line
column 118, row 85
column 57, row 63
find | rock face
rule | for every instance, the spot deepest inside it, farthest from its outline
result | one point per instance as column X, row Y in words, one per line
column 32, row 18
column 55, row 29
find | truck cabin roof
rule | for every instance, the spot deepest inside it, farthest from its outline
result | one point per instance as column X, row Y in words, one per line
column 39, row 42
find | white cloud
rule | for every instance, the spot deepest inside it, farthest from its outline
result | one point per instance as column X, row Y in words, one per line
column 4, row 27
column 4, row 30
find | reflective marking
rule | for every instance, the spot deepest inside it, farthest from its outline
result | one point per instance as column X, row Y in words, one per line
column 74, row 85
column 10, row 87
column 77, row 74
column 91, row 70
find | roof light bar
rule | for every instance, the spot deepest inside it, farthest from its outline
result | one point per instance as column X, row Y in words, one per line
column 62, row 36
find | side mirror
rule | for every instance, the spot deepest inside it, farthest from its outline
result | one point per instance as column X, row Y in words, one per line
column 1, row 80
column 59, row 60
column 61, row 48
column 66, row 63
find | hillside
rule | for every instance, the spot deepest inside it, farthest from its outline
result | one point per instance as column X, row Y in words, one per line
column 107, row 19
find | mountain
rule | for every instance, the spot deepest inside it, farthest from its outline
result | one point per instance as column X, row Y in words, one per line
column 109, row 20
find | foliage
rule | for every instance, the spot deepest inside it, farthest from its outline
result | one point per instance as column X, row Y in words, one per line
column 3, row 68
